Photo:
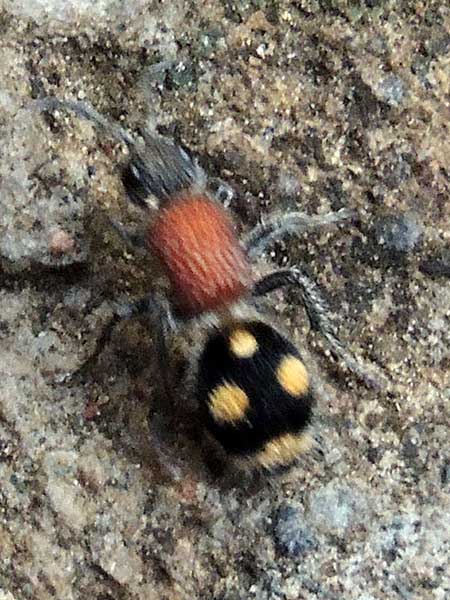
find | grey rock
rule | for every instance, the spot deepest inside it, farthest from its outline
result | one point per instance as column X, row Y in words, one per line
column 392, row 89
column 398, row 233
column 292, row 535
column 337, row 507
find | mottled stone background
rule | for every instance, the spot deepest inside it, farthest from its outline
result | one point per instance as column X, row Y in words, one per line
column 318, row 104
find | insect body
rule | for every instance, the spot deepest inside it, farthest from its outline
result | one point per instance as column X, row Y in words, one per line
column 251, row 384
column 252, row 387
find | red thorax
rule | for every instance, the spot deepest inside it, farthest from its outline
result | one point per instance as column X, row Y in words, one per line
column 195, row 240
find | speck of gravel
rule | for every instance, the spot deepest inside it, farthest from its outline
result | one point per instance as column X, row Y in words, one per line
column 288, row 184
column 398, row 234
column 336, row 507
column 410, row 449
column 445, row 473
column 437, row 265
column 292, row 535
column 181, row 75
column 392, row 89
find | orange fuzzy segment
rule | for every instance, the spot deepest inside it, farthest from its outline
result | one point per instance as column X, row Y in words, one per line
column 195, row 240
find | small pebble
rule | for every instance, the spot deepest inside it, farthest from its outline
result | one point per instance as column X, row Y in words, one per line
column 445, row 473
column 398, row 233
column 288, row 184
column 337, row 507
column 438, row 265
column 392, row 90
column 181, row 75
column 292, row 535
column 61, row 242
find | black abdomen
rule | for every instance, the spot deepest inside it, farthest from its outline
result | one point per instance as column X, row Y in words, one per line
column 254, row 394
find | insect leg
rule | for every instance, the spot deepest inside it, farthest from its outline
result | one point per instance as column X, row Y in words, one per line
column 162, row 322
column 318, row 313
column 279, row 225
column 85, row 111
column 133, row 239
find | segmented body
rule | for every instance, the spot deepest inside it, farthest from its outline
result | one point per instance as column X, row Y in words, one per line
column 252, row 388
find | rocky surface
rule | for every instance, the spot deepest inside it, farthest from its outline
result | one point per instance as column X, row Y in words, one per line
column 316, row 104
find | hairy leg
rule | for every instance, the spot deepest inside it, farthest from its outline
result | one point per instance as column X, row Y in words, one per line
column 162, row 322
column 280, row 225
column 318, row 314
column 85, row 111
column 221, row 191
column 133, row 239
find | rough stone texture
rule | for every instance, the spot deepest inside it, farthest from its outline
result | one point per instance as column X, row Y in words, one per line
column 316, row 104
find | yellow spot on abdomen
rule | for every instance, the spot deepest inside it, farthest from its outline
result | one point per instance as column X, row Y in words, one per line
column 292, row 375
column 228, row 403
column 243, row 344
column 283, row 450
